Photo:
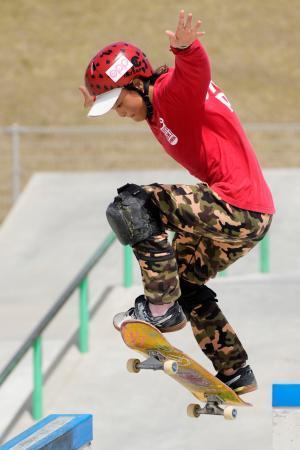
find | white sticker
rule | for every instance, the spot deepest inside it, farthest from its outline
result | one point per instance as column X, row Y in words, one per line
column 117, row 70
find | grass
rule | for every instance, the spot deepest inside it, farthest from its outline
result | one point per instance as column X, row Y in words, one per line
column 46, row 46
column 253, row 46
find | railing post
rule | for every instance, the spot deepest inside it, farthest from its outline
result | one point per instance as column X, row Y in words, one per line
column 128, row 266
column 84, row 316
column 16, row 168
column 37, row 397
column 223, row 273
column 264, row 255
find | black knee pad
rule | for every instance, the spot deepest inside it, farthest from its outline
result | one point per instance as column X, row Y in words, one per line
column 133, row 216
column 193, row 295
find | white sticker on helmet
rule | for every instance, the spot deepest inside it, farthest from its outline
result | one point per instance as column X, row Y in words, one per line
column 117, row 70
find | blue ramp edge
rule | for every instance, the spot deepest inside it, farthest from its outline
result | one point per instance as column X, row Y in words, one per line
column 286, row 395
column 55, row 432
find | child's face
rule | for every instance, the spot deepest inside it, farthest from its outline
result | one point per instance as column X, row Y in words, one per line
column 130, row 104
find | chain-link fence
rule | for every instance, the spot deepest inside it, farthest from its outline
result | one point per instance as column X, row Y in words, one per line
column 25, row 150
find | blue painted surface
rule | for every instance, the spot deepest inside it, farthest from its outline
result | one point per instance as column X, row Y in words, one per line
column 76, row 432
column 286, row 395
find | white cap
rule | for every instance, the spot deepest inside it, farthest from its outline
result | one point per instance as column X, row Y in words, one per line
column 104, row 102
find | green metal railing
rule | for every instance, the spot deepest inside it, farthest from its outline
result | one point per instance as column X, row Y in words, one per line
column 37, row 396
column 264, row 261
column 34, row 341
column 264, row 257
column 84, row 316
column 128, row 266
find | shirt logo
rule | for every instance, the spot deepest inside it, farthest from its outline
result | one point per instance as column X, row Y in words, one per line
column 117, row 70
column 218, row 95
column 170, row 136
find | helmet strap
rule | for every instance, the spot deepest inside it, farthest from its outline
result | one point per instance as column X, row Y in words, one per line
column 144, row 95
column 146, row 98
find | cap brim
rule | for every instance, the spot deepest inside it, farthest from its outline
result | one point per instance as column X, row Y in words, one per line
column 104, row 102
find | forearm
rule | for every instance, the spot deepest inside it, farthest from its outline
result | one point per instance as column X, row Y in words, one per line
column 192, row 72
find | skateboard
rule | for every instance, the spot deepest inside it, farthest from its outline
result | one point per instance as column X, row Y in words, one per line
column 217, row 397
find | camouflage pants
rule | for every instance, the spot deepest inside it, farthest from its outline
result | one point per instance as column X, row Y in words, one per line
column 209, row 235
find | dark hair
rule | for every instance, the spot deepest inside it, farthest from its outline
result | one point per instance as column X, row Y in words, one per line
column 157, row 73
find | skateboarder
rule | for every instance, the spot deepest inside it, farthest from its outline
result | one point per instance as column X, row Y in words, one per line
column 216, row 221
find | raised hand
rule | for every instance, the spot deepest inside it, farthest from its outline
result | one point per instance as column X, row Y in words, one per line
column 185, row 33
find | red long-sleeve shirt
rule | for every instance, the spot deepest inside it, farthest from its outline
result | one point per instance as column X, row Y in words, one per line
column 196, row 125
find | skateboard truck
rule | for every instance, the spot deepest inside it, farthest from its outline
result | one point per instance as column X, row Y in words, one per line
column 154, row 362
column 212, row 407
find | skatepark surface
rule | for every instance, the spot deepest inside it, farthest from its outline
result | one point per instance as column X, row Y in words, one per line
column 53, row 229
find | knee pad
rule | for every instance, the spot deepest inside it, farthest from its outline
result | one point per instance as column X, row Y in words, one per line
column 133, row 216
column 193, row 295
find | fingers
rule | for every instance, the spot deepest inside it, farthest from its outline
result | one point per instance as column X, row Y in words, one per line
column 185, row 33
column 198, row 25
column 88, row 98
column 189, row 21
column 170, row 33
column 181, row 20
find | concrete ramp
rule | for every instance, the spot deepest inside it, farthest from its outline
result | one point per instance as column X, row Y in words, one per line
column 59, row 221
column 56, row 225
column 144, row 410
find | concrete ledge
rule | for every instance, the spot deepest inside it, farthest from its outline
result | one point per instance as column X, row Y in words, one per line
column 286, row 416
column 286, row 396
column 55, row 431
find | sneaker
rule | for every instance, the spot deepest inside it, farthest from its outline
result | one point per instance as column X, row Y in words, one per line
column 241, row 382
column 173, row 320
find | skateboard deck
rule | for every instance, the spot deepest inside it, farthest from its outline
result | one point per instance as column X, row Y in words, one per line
column 161, row 355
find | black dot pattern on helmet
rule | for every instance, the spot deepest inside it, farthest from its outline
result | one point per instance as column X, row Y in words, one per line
column 106, row 53
column 135, row 61
column 139, row 66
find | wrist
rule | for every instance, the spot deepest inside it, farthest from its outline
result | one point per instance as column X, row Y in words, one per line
column 182, row 47
column 186, row 49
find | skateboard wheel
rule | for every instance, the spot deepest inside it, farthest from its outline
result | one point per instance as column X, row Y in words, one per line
column 133, row 365
column 230, row 413
column 170, row 367
column 193, row 410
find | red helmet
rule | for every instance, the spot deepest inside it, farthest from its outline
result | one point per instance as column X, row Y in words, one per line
column 115, row 66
